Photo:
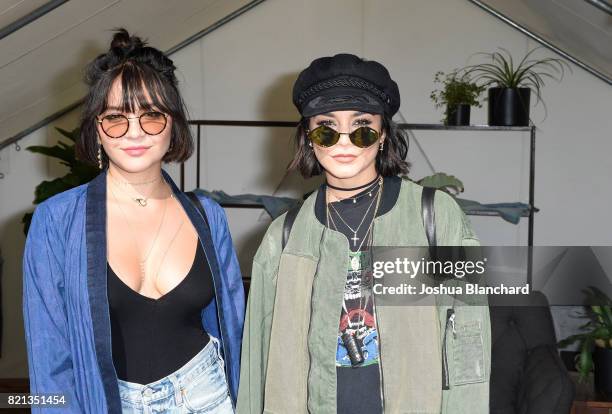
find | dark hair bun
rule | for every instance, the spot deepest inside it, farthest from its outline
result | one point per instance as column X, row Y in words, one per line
column 124, row 43
column 126, row 49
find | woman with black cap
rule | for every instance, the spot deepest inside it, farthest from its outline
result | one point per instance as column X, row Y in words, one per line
column 314, row 339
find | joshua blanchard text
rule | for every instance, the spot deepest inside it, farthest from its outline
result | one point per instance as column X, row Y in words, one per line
column 466, row 289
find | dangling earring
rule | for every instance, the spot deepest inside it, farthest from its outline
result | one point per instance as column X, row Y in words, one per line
column 100, row 156
column 382, row 145
column 310, row 144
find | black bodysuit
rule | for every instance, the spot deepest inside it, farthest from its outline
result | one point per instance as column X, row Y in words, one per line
column 152, row 338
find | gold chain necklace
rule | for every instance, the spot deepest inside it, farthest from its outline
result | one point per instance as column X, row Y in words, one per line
column 141, row 201
column 176, row 233
column 142, row 263
column 126, row 183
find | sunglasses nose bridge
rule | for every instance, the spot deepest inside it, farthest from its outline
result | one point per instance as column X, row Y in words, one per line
column 346, row 140
column 134, row 132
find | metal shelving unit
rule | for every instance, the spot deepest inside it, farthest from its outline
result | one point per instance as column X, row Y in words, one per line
column 532, row 131
column 413, row 127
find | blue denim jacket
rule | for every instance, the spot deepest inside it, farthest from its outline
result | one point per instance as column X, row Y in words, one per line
column 65, row 305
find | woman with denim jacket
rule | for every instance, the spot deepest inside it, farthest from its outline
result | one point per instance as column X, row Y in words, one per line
column 315, row 340
column 133, row 299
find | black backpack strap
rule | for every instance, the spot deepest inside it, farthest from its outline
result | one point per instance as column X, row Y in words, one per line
column 288, row 224
column 196, row 203
column 429, row 217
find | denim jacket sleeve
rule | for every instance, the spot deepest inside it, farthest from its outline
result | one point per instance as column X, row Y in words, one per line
column 46, row 327
column 228, row 261
column 230, row 269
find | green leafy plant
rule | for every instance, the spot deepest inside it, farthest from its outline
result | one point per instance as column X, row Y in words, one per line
column 598, row 329
column 80, row 172
column 501, row 71
column 455, row 88
column 444, row 182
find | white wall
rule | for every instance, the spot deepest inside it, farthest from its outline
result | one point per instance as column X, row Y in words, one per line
column 23, row 171
column 245, row 71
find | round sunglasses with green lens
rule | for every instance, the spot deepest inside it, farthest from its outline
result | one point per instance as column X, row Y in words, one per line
column 325, row 136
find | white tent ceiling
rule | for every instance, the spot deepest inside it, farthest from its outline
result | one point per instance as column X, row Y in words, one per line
column 579, row 28
column 13, row 10
column 41, row 63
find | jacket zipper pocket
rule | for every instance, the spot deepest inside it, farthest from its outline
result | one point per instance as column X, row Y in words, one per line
column 450, row 320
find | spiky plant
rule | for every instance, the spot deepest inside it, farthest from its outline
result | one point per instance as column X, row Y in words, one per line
column 501, row 71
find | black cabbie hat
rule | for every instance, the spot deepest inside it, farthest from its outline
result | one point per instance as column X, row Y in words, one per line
column 345, row 82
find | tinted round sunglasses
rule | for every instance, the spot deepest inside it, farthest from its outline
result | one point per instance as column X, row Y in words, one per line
column 362, row 137
column 117, row 125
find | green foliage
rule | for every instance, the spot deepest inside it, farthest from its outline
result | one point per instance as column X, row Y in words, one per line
column 502, row 71
column 444, row 182
column 598, row 329
column 456, row 88
column 80, row 172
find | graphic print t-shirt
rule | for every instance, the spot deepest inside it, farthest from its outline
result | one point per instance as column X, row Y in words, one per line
column 357, row 316
column 358, row 386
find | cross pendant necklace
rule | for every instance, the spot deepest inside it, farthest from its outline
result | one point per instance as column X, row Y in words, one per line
column 354, row 239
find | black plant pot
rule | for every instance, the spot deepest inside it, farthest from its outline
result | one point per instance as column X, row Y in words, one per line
column 458, row 115
column 509, row 107
column 602, row 362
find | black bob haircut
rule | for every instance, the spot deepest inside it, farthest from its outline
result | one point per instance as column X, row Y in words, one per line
column 147, row 82
column 389, row 162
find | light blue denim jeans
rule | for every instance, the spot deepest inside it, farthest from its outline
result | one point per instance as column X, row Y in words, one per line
column 199, row 386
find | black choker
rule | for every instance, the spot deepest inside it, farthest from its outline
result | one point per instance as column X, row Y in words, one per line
column 354, row 188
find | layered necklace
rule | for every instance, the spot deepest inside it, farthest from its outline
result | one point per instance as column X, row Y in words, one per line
column 374, row 192
column 369, row 186
column 141, row 200
column 145, row 258
column 352, row 337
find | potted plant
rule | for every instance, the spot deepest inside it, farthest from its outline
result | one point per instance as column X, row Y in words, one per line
column 458, row 93
column 510, row 85
column 596, row 342
column 80, row 172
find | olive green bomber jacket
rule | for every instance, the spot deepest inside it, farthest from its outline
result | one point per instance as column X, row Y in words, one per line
column 290, row 337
